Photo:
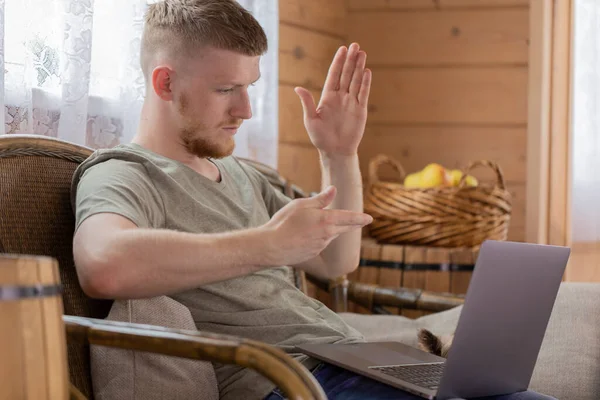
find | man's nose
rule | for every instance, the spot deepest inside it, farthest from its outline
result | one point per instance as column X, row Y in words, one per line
column 242, row 108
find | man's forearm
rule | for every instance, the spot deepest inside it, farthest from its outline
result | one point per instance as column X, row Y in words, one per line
column 139, row 263
column 343, row 172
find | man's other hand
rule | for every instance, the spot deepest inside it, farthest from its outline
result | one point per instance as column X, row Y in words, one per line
column 304, row 228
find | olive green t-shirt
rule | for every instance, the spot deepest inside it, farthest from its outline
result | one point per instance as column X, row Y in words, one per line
column 156, row 192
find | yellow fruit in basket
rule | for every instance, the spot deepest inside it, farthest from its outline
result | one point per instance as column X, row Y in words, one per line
column 412, row 180
column 456, row 175
column 471, row 181
column 434, row 175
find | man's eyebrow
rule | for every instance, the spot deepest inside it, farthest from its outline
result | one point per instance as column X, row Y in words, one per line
column 239, row 84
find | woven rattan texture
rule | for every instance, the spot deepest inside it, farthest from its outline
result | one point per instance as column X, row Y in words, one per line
column 440, row 216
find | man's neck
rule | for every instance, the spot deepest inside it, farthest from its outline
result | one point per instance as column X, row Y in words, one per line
column 152, row 135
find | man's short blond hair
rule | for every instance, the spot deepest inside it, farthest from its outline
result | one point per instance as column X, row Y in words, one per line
column 181, row 27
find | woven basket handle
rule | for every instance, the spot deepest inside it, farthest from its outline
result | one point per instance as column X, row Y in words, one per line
column 484, row 163
column 378, row 161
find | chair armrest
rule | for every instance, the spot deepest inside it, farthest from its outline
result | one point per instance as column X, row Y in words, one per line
column 288, row 374
column 374, row 296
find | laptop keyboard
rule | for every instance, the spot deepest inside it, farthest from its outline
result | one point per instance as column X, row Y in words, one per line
column 423, row 375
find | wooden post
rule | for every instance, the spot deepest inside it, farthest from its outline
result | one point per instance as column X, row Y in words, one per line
column 32, row 341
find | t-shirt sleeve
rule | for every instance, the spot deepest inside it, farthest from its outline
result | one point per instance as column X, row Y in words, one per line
column 122, row 188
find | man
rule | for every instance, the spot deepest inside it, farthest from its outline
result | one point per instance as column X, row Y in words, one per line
column 172, row 213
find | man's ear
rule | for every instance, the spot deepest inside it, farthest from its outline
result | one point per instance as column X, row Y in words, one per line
column 162, row 80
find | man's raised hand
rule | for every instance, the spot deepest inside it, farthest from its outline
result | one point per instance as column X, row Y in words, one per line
column 337, row 124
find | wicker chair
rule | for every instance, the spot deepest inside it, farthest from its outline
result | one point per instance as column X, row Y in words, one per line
column 36, row 219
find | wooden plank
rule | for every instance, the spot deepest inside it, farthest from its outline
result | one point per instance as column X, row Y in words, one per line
column 352, row 277
column 438, row 281
column 300, row 165
column 560, row 125
column 482, row 4
column 538, row 149
column 391, row 274
column 305, row 56
column 367, row 272
column 463, row 261
column 488, row 36
column 494, row 95
column 35, row 335
column 326, row 16
column 583, row 262
column 12, row 367
column 516, row 233
column 291, row 116
column 56, row 354
column 518, row 212
column 362, row 5
column 413, row 278
column 451, row 146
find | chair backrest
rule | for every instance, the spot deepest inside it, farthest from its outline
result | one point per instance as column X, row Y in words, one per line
column 36, row 218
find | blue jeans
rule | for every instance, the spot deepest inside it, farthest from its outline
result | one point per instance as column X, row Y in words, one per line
column 340, row 384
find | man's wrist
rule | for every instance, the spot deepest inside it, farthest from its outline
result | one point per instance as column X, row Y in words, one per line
column 261, row 248
column 337, row 158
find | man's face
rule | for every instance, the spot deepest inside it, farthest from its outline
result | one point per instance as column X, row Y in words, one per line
column 210, row 97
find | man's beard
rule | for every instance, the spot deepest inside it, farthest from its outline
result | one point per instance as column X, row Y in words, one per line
column 196, row 144
column 204, row 148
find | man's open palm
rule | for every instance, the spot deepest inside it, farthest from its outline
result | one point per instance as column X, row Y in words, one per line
column 337, row 124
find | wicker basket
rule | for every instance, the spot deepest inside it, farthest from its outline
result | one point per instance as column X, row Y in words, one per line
column 442, row 216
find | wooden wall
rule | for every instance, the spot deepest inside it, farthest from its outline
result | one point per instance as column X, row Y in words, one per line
column 310, row 32
column 449, row 85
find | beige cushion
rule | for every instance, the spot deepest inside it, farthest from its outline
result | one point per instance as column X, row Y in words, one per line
column 568, row 365
column 131, row 375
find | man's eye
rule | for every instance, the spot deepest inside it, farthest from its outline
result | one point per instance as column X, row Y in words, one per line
column 229, row 90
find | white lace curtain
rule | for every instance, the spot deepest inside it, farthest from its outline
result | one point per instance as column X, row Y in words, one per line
column 70, row 69
column 585, row 155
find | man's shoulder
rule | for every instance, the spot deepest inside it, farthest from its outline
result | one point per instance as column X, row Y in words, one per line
column 120, row 164
column 117, row 161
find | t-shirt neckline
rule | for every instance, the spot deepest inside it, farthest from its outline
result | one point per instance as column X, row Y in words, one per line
column 221, row 184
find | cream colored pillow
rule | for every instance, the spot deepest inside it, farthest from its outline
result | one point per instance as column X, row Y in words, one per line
column 119, row 374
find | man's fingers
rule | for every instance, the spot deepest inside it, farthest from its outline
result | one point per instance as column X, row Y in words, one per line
column 335, row 69
column 308, row 103
column 358, row 74
column 349, row 67
column 365, row 87
column 320, row 200
column 348, row 218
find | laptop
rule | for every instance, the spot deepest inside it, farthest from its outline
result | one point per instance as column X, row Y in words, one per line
column 497, row 339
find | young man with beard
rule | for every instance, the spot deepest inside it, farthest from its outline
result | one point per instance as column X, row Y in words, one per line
column 173, row 213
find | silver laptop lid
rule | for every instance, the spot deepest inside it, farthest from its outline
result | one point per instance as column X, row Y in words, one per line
column 504, row 318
